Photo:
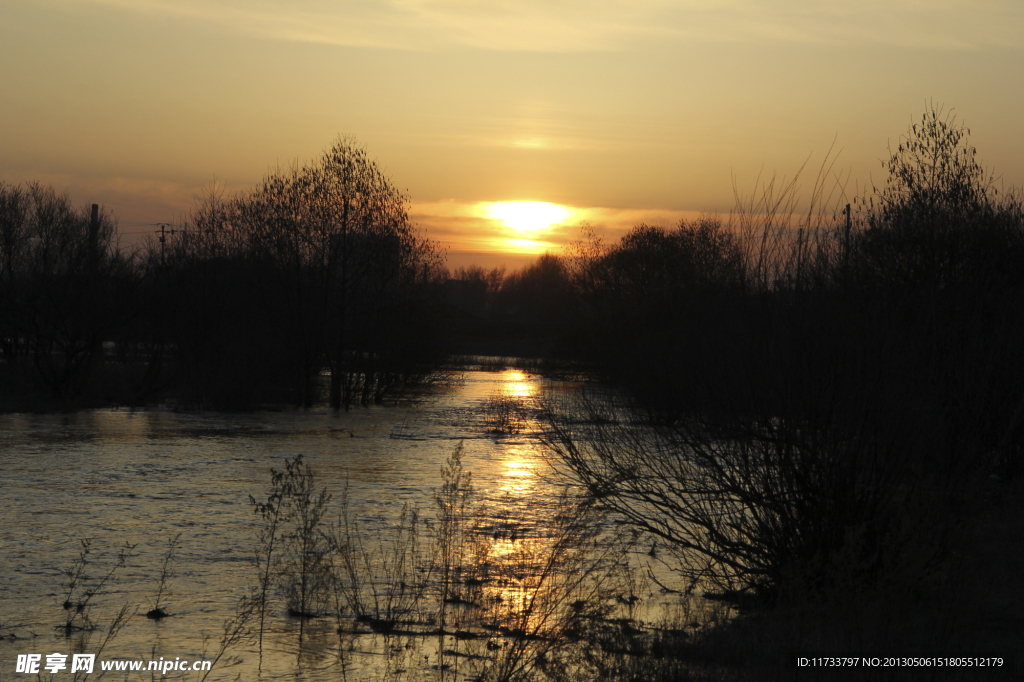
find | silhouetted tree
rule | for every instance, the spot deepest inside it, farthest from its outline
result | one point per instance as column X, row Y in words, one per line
column 649, row 304
column 325, row 271
column 539, row 292
column 942, row 252
column 64, row 284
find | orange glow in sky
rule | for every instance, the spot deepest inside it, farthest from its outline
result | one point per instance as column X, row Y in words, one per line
column 508, row 124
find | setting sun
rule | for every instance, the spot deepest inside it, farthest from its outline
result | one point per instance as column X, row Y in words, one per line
column 527, row 218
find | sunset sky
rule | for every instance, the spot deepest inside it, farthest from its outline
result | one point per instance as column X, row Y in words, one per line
column 613, row 111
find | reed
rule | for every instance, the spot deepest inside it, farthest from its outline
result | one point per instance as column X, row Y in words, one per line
column 166, row 573
column 80, row 590
column 503, row 599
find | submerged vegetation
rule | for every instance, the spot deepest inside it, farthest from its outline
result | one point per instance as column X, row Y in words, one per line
column 491, row 596
column 469, row 589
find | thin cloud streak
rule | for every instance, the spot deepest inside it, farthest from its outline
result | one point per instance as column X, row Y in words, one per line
column 609, row 25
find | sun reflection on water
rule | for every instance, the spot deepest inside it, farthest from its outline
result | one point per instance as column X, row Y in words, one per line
column 519, row 384
column 519, row 474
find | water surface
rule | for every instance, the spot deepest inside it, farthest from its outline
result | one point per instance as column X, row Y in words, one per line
column 120, row 477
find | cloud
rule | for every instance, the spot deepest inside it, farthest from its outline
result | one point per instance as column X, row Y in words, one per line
column 600, row 25
column 411, row 24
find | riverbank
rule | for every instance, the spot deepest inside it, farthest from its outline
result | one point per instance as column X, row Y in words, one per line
column 972, row 608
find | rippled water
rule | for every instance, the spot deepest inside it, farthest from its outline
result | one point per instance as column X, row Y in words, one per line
column 117, row 477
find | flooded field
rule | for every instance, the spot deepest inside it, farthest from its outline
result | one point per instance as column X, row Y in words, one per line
column 118, row 478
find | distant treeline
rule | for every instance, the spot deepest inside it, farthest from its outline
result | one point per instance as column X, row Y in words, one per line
column 312, row 287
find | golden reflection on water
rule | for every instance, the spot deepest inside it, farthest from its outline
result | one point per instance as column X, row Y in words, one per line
column 519, row 475
column 125, row 425
column 518, row 384
column 518, row 467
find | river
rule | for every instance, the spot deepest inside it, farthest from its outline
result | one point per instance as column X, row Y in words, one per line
column 117, row 477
